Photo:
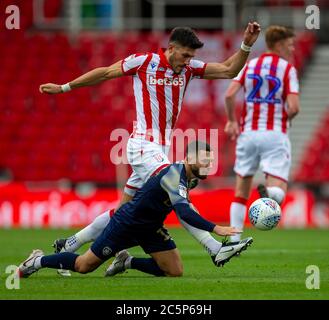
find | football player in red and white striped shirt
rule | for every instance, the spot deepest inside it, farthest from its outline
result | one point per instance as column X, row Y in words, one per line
column 271, row 101
column 159, row 82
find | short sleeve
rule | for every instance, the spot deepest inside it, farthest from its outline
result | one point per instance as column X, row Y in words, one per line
column 131, row 64
column 241, row 76
column 197, row 68
column 175, row 185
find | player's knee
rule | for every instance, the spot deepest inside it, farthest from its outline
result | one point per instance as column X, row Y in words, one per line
column 175, row 271
column 82, row 267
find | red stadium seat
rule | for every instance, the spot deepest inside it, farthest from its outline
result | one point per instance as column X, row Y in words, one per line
column 45, row 137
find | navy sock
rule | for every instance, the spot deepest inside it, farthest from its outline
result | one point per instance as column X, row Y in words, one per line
column 147, row 265
column 64, row 260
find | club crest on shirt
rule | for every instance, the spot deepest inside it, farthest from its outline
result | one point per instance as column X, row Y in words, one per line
column 182, row 190
column 106, row 251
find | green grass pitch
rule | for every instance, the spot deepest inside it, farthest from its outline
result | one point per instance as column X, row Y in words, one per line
column 274, row 267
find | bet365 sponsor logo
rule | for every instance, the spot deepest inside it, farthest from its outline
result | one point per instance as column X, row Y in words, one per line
column 166, row 81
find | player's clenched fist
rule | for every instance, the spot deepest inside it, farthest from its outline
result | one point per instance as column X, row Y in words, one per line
column 251, row 33
column 50, row 88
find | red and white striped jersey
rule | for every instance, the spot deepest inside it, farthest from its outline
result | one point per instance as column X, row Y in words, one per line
column 267, row 80
column 158, row 92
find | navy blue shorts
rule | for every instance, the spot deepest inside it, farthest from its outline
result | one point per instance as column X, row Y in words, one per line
column 117, row 236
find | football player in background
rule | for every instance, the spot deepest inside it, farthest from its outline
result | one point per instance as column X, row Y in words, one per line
column 139, row 222
column 271, row 101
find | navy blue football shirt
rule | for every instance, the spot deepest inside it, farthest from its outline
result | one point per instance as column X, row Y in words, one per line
column 160, row 195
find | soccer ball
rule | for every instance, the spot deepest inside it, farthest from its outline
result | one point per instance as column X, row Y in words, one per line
column 264, row 213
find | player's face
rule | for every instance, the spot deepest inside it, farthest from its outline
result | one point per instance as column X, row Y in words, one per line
column 287, row 48
column 180, row 57
column 201, row 166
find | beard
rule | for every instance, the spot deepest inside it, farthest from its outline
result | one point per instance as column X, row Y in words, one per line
column 196, row 172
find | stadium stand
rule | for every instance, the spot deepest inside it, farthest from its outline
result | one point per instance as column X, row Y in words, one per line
column 67, row 136
column 314, row 167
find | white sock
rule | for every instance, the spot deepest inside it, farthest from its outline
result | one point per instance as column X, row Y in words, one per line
column 89, row 233
column 204, row 238
column 72, row 243
column 276, row 193
column 237, row 216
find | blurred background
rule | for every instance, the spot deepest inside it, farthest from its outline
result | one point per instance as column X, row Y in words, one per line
column 55, row 168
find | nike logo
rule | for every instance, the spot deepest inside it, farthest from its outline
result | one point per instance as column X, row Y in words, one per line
column 25, row 262
column 231, row 249
column 223, row 255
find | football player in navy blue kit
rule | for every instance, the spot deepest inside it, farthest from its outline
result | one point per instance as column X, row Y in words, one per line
column 140, row 223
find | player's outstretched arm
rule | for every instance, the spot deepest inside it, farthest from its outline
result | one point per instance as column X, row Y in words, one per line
column 232, row 66
column 90, row 78
column 188, row 214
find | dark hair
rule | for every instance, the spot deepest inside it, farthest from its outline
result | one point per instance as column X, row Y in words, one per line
column 196, row 146
column 274, row 34
column 186, row 37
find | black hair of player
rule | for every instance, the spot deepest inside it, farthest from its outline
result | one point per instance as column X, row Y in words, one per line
column 185, row 37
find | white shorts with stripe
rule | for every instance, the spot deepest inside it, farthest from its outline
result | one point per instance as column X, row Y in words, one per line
column 269, row 150
column 146, row 159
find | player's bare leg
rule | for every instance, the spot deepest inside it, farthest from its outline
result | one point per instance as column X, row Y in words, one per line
column 163, row 263
column 87, row 262
column 170, row 262
column 238, row 207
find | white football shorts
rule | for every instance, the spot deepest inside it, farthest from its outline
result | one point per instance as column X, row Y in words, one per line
column 146, row 158
column 269, row 150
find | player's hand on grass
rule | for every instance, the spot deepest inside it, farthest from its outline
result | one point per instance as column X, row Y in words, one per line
column 226, row 231
column 251, row 33
column 50, row 88
column 232, row 129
